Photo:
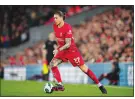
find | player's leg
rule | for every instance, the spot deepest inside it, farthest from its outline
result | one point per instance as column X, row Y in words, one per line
column 89, row 72
column 76, row 60
column 53, row 64
column 86, row 70
column 102, row 76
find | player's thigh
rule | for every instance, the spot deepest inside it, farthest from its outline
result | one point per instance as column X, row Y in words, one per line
column 76, row 59
column 55, row 62
column 57, row 59
column 83, row 67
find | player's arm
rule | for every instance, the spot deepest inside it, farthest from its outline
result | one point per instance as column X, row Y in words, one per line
column 67, row 45
column 68, row 38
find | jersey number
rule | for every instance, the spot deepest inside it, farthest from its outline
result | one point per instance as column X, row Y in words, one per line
column 77, row 60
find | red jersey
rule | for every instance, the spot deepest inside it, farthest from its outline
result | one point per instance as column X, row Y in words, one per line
column 72, row 54
column 64, row 32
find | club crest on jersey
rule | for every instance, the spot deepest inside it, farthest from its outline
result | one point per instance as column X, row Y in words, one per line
column 69, row 31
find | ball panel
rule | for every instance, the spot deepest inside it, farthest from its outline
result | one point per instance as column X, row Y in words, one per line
column 48, row 88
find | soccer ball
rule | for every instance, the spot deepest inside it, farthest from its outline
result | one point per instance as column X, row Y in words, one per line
column 48, row 87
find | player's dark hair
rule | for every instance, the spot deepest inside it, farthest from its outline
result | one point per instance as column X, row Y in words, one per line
column 61, row 14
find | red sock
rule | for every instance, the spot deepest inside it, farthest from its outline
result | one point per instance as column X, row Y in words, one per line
column 56, row 73
column 92, row 76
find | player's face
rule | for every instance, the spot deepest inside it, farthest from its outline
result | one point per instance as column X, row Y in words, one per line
column 57, row 19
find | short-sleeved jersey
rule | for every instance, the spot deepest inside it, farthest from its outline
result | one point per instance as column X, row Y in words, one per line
column 62, row 33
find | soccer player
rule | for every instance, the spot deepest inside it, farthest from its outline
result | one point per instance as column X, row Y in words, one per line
column 112, row 76
column 67, row 50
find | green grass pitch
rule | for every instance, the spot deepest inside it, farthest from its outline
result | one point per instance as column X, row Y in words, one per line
column 34, row 88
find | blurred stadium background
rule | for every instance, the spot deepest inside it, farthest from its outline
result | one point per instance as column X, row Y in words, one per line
column 102, row 34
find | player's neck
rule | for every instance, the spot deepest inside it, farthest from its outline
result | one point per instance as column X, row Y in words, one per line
column 61, row 24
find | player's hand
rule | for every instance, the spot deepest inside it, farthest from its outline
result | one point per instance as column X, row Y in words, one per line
column 55, row 51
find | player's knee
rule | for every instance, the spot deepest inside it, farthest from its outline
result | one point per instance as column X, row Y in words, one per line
column 84, row 68
column 53, row 63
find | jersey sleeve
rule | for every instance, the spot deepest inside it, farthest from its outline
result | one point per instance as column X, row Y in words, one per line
column 68, row 33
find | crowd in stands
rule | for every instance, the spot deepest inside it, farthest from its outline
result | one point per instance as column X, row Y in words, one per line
column 100, row 39
column 106, row 36
column 16, row 20
column 30, row 55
